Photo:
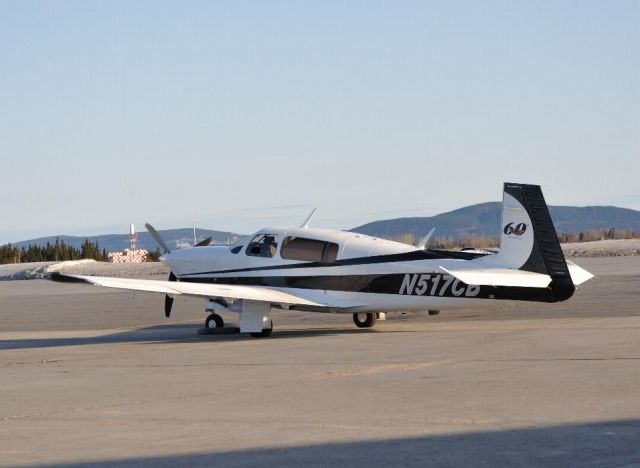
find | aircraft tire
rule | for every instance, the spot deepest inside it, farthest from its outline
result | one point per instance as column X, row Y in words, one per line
column 265, row 331
column 214, row 321
column 368, row 322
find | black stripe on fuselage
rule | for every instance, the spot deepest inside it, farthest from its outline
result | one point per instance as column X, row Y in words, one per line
column 390, row 258
column 414, row 284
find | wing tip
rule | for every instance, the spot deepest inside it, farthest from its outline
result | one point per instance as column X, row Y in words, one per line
column 62, row 278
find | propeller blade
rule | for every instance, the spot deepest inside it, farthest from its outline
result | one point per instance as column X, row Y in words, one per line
column 204, row 243
column 168, row 303
column 168, row 300
column 157, row 238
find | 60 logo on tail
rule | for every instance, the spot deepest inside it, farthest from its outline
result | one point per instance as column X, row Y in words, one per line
column 515, row 229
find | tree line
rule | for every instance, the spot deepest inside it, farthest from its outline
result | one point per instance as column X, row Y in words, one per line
column 58, row 251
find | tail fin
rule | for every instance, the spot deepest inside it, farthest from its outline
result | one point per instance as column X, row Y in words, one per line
column 529, row 241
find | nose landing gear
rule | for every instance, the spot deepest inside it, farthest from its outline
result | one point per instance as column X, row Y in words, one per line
column 214, row 321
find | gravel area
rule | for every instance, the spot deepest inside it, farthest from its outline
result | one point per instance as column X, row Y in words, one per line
column 97, row 377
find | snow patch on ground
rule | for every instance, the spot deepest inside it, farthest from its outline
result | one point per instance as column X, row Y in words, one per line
column 603, row 248
column 23, row 271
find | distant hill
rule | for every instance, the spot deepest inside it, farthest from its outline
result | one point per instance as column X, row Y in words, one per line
column 484, row 219
column 115, row 242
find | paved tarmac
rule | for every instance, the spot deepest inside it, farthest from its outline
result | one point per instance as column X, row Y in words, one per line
column 89, row 376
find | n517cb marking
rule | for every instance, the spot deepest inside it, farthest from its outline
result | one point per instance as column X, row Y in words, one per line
column 436, row 284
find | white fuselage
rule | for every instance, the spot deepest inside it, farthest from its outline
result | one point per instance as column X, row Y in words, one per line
column 407, row 281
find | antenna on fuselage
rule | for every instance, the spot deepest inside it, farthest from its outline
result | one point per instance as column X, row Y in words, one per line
column 425, row 240
column 308, row 220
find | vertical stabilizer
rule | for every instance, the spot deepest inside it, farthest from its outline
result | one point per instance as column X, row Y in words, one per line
column 529, row 241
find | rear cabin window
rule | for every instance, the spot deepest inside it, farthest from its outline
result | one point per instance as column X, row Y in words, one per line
column 309, row 250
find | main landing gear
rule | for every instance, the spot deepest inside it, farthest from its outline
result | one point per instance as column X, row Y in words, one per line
column 265, row 331
column 215, row 322
column 365, row 320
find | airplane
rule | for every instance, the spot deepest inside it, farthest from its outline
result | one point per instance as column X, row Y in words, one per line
column 321, row 270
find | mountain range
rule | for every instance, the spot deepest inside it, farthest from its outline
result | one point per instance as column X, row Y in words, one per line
column 482, row 219
column 174, row 238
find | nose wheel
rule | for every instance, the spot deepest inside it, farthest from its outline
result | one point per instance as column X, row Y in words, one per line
column 365, row 320
column 214, row 321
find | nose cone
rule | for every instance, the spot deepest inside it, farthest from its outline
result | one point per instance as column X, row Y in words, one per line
column 193, row 260
column 178, row 260
column 167, row 260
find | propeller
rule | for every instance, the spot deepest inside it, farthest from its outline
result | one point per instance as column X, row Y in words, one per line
column 204, row 243
column 168, row 300
column 157, row 238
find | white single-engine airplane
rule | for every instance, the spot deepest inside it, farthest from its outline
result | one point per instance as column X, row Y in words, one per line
column 319, row 270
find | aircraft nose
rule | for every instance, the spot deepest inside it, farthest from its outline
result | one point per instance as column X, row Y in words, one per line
column 192, row 260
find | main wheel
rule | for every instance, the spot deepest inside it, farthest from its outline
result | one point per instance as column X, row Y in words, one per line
column 367, row 320
column 265, row 331
column 214, row 321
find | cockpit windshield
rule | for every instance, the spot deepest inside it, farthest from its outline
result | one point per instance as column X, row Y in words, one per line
column 237, row 246
column 263, row 245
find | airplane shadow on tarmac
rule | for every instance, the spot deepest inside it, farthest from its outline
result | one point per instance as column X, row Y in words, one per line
column 173, row 333
column 610, row 443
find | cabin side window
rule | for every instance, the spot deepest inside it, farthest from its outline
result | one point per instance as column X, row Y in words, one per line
column 309, row 250
column 262, row 245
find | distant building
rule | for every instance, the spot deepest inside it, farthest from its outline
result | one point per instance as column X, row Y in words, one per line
column 132, row 255
column 128, row 256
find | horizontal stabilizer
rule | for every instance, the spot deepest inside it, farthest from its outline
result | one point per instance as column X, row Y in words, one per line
column 578, row 274
column 500, row 277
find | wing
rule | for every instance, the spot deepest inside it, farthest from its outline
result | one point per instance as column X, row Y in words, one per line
column 227, row 292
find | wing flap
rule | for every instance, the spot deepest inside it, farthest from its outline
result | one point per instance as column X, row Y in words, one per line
column 500, row 277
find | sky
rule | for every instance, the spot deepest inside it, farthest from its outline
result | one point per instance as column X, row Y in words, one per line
column 241, row 114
